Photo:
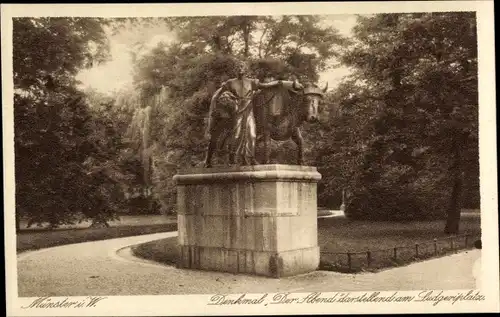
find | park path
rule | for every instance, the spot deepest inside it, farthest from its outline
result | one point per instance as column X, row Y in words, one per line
column 108, row 268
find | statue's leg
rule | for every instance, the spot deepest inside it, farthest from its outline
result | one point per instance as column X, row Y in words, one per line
column 211, row 146
column 249, row 159
column 262, row 135
column 253, row 161
column 252, row 139
column 231, row 158
column 225, row 144
column 245, row 160
column 237, row 149
column 267, row 140
column 210, row 151
column 231, row 149
column 297, row 138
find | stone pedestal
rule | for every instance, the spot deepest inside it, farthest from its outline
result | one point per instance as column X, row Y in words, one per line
column 258, row 220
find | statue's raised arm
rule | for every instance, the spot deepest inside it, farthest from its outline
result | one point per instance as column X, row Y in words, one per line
column 293, row 85
column 271, row 84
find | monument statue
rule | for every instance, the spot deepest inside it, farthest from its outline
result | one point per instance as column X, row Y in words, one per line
column 243, row 112
column 280, row 112
column 231, row 116
column 246, row 219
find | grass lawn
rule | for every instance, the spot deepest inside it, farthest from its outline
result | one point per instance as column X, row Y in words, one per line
column 343, row 235
column 35, row 239
column 340, row 235
column 124, row 220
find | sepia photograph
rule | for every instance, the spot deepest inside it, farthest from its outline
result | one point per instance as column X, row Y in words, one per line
column 266, row 158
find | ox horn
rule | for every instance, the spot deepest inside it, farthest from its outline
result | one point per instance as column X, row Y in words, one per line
column 326, row 87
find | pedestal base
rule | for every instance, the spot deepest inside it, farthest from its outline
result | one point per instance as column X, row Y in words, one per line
column 281, row 264
column 256, row 220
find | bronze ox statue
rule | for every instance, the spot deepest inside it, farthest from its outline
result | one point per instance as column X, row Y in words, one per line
column 280, row 112
column 245, row 110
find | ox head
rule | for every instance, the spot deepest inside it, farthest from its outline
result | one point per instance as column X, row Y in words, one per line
column 313, row 96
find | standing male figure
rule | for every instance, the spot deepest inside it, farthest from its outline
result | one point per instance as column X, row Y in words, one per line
column 237, row 92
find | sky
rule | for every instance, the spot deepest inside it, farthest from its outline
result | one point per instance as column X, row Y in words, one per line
column 117, row 73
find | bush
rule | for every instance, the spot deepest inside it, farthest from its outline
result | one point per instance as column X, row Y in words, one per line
column 165, row 191
column 396, row 204
column 383, row 204
column 397, row 192
column 142, row 205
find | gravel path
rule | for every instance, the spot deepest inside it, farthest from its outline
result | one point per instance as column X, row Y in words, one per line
column 108, row 268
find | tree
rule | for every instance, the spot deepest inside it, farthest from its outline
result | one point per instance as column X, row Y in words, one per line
column 55, row 47
column 415, row 79
column 65, row 151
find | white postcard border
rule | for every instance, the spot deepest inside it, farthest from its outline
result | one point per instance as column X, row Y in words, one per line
column 197, row 304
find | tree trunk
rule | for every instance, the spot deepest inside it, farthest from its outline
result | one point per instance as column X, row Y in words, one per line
column 246, row 39
column 217, row 45
column 454, row 209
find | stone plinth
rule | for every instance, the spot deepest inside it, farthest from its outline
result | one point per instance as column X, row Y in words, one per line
column 258, row 220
